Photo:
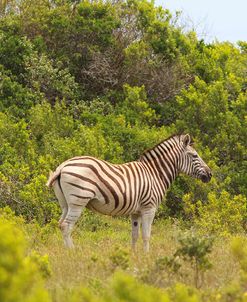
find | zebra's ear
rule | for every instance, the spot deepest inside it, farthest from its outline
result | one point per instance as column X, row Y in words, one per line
column 186, row 140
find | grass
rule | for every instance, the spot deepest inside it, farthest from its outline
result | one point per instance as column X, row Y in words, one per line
column 103, row 247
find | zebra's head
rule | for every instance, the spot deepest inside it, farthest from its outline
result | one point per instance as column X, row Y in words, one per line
column 191, row 163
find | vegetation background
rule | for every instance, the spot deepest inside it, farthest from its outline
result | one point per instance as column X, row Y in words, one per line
column 111, row 79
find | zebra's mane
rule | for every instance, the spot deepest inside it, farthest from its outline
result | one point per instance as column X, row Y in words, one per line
column 165, row 140
column 161, row 142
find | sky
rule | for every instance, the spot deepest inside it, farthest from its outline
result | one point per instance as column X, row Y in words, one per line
column 212, row 19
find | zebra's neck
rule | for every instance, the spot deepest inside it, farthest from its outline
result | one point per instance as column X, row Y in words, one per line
column 162, row 161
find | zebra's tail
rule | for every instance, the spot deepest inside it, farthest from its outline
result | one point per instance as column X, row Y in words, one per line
column 52, row 177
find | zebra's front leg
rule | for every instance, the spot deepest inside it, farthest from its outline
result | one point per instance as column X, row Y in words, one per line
column 135, row 223
column 147, row 218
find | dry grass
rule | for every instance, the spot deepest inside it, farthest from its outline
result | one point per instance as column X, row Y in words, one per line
column 90, row 264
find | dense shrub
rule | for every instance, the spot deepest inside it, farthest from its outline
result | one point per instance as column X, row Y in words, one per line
column 110, row 79
column 20, row 278
column 221, row 214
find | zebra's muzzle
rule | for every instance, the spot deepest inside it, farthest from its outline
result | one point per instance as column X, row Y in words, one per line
column 206, row 177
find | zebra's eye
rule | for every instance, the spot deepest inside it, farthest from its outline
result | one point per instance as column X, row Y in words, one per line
column 192, row 155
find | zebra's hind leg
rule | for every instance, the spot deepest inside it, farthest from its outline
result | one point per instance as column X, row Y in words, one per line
column 73, row 214
column 135, row 223
column 147, row 218
column 61, row 199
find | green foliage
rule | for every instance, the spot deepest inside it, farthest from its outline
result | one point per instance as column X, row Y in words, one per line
column 19, row 275
column 182, row 293
column 168, row 263
column 135, row 106
column 42, row 263
column 221, row 214
column 13, row 48
column 14, row 97
column 195, row 250
column 240, row 252
column 125, row 288
column 119, row 259
column 49, row 79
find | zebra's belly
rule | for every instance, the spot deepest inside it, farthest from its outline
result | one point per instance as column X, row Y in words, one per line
column 97, row 206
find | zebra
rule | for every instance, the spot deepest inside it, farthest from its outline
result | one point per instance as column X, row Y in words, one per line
column 135, row 188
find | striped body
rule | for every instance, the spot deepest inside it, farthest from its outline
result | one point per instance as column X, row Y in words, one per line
column 136, row 188
column 110, row 189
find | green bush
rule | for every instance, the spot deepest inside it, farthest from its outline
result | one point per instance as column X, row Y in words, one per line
column 119, row 259
column 42, row 262
column 20, row 278
column 222, row 214
column 195, row 249
column 125, row 288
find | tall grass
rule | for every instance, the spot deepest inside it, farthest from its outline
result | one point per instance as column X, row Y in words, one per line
column 103, row 249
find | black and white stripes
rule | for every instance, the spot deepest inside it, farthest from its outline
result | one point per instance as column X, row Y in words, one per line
column 136, row 188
